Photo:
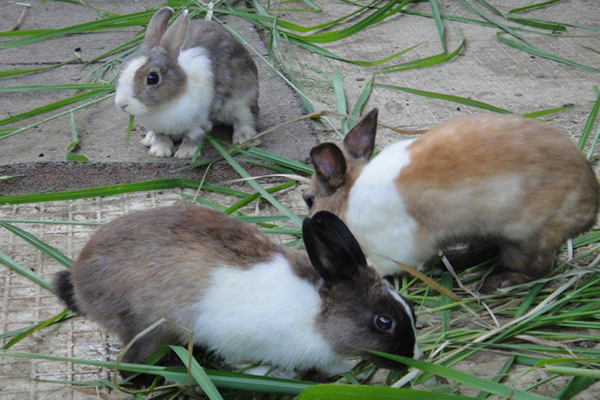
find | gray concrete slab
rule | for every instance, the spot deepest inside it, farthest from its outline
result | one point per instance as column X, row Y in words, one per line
column 39, row 153
column 487, row 71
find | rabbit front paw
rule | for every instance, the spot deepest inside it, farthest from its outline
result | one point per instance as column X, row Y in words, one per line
column 243, row 134
column 147, row 140
column 186, row 151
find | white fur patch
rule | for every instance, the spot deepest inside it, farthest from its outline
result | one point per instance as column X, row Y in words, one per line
column 124, row 94
column 265, row 313
column 406, row 306
column 190, row 110
column 377, row 215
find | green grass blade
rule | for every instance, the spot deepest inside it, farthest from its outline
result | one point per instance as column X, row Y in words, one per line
column 252, row 17
column 549, row 111
column 117, row 49
column 445, row 300
column 38, row 244
column 362, row 100
column 145, row 186
column 589, row 124
column 528, row 300
column 584, row 372
column 249, row 199
column 594, row 144
column 283, row 161
column 79, row 86
column 502, row 26
column 532, row 6
column 244, row 174
column 464, row 378
column 26, row 32
column 543, row 54
column 129, row 131
column 347, row 392
column 590, row 49
column 586, row 27
column 577, row 385
column 59, row 317
column 448, row 97
column 501, row 374
column 17, row 72
column 313, row 5
column 198, row 373
column 270, row 157
column 222, row 379
column 491, row 8
column 451, row 18
column 74, row 145
column 439, row 23
column 374, row 18
column 326, row 53
column 50, row 107
column 427, row 61
column 340, row 98
column 10, row 263
column 134, row 19
column 4, row 133
column 541, row 25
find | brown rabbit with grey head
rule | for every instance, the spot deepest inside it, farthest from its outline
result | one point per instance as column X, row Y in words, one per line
column 496, row 182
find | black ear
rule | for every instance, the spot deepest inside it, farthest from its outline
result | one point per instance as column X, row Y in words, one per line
column 329, row 163
column 360, row 141
column 331, row 247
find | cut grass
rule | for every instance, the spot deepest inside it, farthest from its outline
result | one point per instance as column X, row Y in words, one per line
column 523, row 311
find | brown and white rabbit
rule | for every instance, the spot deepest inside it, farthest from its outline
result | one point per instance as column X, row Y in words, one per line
column 186, row 78
column 496, row 182
column 246, row 298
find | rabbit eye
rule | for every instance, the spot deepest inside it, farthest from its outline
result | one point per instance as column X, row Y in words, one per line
column 153, row 78
column 309, row 200
column 384, row 323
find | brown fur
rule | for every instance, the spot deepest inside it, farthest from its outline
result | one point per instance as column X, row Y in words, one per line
column 504, row 180
column 152, row 254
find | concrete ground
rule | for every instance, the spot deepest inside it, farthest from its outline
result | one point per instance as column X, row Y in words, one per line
column 39, row 153
column 486, row 71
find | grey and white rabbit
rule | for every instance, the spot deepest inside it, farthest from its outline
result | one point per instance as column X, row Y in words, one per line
column 184, row 79
column 500, row 183
column 246, row 298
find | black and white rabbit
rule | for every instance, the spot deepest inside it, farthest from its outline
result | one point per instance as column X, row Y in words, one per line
column 246, row 298
column 184, row 79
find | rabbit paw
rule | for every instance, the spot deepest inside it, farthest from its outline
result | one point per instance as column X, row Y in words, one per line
column 147, row 140
column 161, row 150
column 186, row 151
column 243, row 134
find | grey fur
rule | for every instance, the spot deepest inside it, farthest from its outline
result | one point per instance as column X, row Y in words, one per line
column 156, row 264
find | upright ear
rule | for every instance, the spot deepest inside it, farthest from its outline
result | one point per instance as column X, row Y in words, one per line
column 329, row 163
column 360, row 141
column 174, row 38
column 156, row 28
column 333, row 251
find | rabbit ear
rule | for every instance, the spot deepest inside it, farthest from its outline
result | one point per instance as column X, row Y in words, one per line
column 360, row 141
column 333, row 251
column 174, row 38
column 330, row 164
column 156, row 28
